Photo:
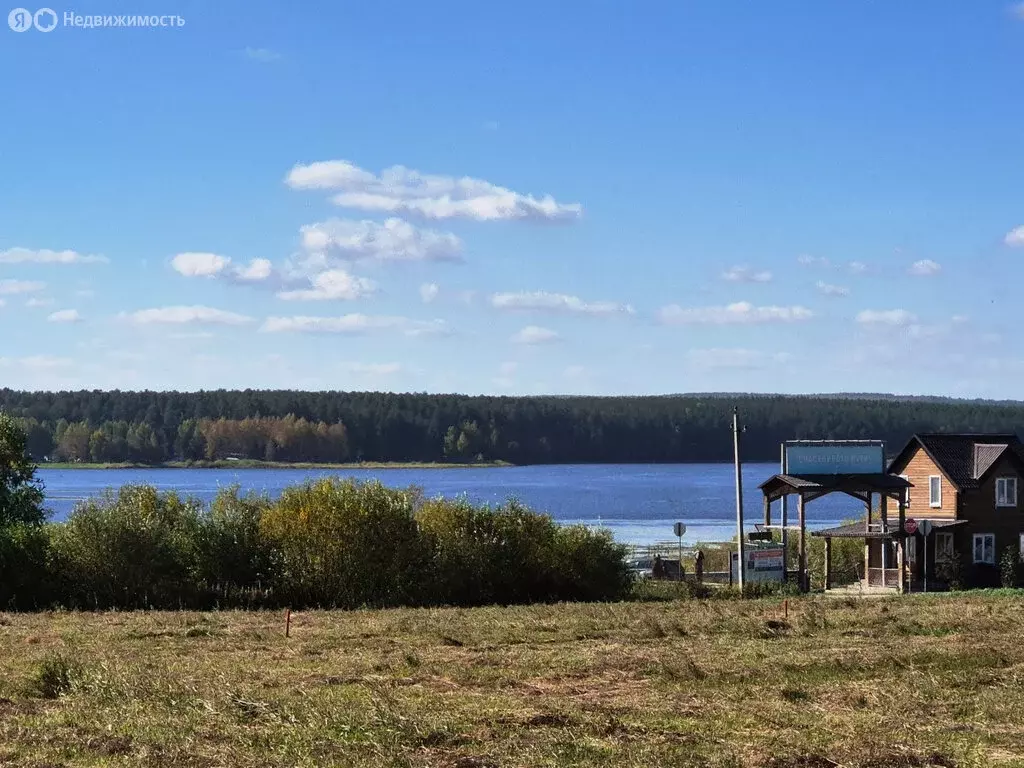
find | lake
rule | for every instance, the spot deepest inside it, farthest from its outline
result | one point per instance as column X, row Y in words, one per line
column 638, row 502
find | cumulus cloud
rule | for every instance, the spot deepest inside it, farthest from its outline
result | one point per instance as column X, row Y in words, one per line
column 746, row 275
column 1015, row 237
column 737, row 359
column 186, row 315
column 9, row 287
column 65, row 316
column 401, row 190
column 355, row 323
column 534, row 334
column 740, row 313
column 393, row 240
column 429, row 291
column 925, row 268
column 45, row 256
column 826, row 289
column 857, row 267
column 892, row 317
column 557, row 302
column 334, row 284
column 36, row 302
column 200, row 264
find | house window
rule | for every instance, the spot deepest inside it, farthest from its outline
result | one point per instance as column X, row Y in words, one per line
column 935, row 491
column 906, row 492
column 944, row 547
column 985, row 548
column 1006, row 491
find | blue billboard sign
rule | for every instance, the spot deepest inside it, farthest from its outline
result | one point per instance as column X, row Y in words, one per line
column 834, row 459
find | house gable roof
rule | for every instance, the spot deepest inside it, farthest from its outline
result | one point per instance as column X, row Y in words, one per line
column 964, row 458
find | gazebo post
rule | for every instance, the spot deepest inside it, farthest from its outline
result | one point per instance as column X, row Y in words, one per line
column 767, row 511
column 803, row 545
column 867, row 546
column 883, row 506
column 828, row 563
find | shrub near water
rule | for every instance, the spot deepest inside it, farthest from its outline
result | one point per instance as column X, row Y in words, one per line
column 346, row 544
column 136, row 548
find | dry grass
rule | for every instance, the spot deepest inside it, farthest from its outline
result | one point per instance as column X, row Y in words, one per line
column 872, row 683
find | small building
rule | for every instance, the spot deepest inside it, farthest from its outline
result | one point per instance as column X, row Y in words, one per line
column 966, row 487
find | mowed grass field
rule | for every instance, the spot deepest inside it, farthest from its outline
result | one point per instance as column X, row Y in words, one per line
column 913, row 681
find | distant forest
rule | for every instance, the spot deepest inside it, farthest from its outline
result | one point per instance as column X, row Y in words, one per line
column 291, row 426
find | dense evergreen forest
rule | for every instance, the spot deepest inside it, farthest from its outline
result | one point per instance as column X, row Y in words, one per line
column 154, row 427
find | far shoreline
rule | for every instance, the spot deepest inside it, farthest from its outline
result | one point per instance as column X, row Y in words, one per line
column 255, row 464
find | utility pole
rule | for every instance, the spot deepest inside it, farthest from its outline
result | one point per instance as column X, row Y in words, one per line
column 739, row 496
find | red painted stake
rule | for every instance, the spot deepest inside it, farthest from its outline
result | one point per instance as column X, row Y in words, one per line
column 288, row 623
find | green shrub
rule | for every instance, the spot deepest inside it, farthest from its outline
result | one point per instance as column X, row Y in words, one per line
column 236, row 561
column 136, row 548
column 1010, row 567
column 346, row 544
column 25, row 575
column 55, row 676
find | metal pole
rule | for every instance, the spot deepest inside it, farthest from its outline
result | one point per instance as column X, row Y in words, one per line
column 925, row 537
column 739, row 495
column 680, row 558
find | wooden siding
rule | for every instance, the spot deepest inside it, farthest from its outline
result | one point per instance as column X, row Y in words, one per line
column 918, row 468
column 978, row 507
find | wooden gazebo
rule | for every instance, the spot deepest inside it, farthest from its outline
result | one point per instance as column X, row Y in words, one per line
column 810, row 487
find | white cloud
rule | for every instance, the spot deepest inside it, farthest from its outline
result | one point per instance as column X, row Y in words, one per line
column 557, row 302
column 827, row 289
column 959, row 319
column 262, row 54
column 38, row 302
column 8, row 287
column 857, row 267
column 893, row 317
column 742, row 312
column 1017, row 9
column 737, row 359
column 373, row 369
column 182, row 315
column 429, row 291
column 35, row 362
column 1015, row 237
column 392, row 240
column 3, row 302
column 812, row 261
column 405, row 191
column 746, row 275
column 925, row 267
column 194, row 264
column 468, row 297
column 354, row 323
column 335, row 284
column 534, row 334
column 199, row 264
column 255, row 271
column 65, row 316
column 45, row 256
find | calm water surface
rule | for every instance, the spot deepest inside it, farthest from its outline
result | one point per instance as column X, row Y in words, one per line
column 638, row 502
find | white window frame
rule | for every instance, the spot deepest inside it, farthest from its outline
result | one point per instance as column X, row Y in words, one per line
column 934, row 500
column 983, row 537
column 906, row 492
column 944, row 550
column 1006, row 482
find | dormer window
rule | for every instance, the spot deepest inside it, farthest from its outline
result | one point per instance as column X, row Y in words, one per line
column 1006, row 491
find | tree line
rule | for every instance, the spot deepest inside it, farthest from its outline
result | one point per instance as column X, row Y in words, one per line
column 285, row 425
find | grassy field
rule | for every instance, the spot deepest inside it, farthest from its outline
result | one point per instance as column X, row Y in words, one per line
column 254, row 464
column 882, row 683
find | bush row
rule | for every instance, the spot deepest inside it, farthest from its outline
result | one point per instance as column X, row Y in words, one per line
column 330, row 544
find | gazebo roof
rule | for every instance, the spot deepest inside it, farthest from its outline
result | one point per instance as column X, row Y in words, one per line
column 813, row 486
column 856, row 530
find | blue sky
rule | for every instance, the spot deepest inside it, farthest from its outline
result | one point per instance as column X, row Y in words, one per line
column 573, row 197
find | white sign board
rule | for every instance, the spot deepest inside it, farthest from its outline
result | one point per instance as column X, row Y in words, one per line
column 763, row 564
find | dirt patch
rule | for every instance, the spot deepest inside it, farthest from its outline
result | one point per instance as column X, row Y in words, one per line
column 549, row 720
